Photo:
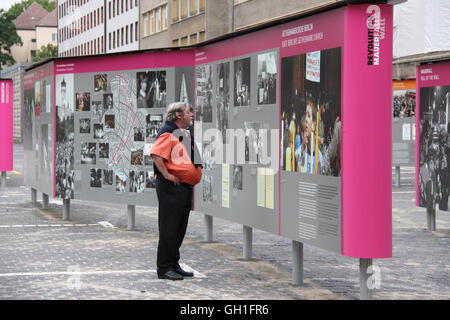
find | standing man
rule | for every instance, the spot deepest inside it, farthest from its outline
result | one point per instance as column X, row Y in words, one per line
column 174, row 154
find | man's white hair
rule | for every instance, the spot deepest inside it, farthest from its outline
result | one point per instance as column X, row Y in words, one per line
column 173, row 108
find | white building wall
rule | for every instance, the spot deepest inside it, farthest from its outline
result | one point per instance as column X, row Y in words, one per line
column 421, row 26
column 124, row 14
column 75, row 15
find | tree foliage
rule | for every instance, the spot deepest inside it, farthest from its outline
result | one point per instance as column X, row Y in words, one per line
column 48, row 51
column 8, row 38
column 16, row 9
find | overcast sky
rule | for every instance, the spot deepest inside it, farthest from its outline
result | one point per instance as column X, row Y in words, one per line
column 6, row 4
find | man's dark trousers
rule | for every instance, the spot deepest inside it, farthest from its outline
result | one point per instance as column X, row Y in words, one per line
column 175, row 203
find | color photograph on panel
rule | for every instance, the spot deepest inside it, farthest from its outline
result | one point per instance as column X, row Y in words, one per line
column 434, row 150
column 311, row 113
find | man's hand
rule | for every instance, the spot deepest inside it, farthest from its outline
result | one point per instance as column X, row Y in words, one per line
column 159, row 162
column 170, row 177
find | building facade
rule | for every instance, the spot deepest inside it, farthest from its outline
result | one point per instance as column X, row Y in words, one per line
column 166, row 23
column 89, row 27
column 36, row 27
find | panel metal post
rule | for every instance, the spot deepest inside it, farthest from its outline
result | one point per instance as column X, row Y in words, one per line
column 431, row 219
column 45, row 201
column 248, row 242
column 209, row 228
column 297, row 263
column 131, row 217
column 66, row 209
column 365, row 290
column 397, row 176
column 33, row 196
column 3, row 179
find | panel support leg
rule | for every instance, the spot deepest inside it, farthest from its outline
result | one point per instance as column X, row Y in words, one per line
column 66, row 209
column 365, row 288
column 131, row 217
column 209, row 228
column 45, row 201
column 297, row 263
column 33, row 196
column 248, row 241
column 3, row 179
column 397, row 176
column 431, row 219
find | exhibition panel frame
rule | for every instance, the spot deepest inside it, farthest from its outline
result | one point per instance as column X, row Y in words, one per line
column 293, row 120
column 432, row 149
column 6, row 124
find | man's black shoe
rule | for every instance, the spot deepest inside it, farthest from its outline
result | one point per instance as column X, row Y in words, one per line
column 169, row 275
column 183, row 272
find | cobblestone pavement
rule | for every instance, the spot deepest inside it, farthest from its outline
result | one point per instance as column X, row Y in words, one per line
column 43, row 257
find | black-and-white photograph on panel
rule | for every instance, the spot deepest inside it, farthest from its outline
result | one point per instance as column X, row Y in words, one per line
column 242, row 85
column 98, row 131
column 65, row 123
column 267, row 78
column 88, row 153
column 137, row 181
column 204, row 87
column 96, row 178
column 103, row 150
column 237, row 177
column 150, row 180
column 108, row 177
column 207, row 188
column 121, row 182
column 27, row 115
column 434, row 150
column 223, row 98
column 154, row 122
column 151, row 89
column 255, row 132
column 85, row 125
column 97, row 108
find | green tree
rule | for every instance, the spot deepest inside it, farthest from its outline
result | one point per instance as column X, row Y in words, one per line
column 48, row 51
column 8, row 38
column 16, row 9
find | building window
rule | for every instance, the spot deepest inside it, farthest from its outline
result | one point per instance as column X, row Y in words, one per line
column 184, row 41
column 136, row 34
column 33, row 40
column 182, row 9
column 193, row 38
column 155, row 20
column 53, row 37
column 175, row 43
column 131, row 31
column 201, row 36
column 146, row 25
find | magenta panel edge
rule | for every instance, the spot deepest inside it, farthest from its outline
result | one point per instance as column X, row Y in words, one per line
column 6, row 125
column 367, row 136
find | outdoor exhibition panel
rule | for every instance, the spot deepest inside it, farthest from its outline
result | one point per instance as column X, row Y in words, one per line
column 6, row 125
column 404, row 123
column 109, row 111
column 432, row 172
column 38, row 128
column 293, row 122
column 332, row 77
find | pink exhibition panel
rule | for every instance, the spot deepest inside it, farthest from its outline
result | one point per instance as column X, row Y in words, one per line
column 318, row 88
column 432, row 152
column 6, row 125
